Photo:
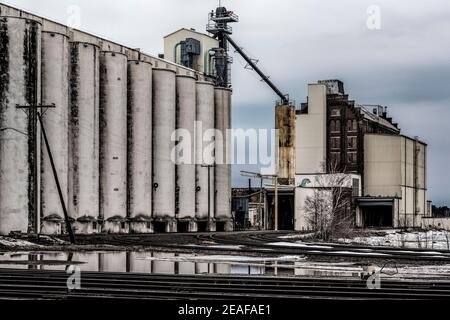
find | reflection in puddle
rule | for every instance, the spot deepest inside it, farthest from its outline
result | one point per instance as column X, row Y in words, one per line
column 197, row 264
column 151, row 262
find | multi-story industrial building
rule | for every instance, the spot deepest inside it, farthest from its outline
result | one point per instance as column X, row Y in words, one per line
column 383, row 171
column 386, row 170
column 110, row 114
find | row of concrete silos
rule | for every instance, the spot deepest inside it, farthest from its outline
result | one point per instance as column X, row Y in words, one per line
column 111, row 134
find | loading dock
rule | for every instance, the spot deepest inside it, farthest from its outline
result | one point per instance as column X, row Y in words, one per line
column 376, row 212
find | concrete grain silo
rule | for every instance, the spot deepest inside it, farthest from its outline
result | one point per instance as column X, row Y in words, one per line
column 185, row 170
column 222, row 177
column 20, row 63
column 113, row 141
column 84, row 179
column 140, row 146
column 55, row 90
column 205, row 155
column 164, row 121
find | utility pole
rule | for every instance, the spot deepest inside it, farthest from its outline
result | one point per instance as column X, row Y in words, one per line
column 209, row 166
column 276, row 202
column 55, row 174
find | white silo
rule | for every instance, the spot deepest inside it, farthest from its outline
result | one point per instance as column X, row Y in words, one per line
column 140, row 146
column 223, row 157
column 205, row 156
column 164, row 121
column 20, row 63
column 55, row 90
column 185, row 170
column 113, row 141
column 84, row 179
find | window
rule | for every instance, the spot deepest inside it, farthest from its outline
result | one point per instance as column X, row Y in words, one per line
column 335, row 142
column 352, row 143
column 335, row 157
column 352, row 158
column 352, row 125
column 335, row 125
column 335, row 112
column 355, row 187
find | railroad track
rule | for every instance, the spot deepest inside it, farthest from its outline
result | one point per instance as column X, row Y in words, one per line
column 37, row 284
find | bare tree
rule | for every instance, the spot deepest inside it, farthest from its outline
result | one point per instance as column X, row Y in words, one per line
column 329, row 208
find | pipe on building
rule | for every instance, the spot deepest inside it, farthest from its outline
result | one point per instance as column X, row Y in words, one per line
column 175, row 48
column 207, row 62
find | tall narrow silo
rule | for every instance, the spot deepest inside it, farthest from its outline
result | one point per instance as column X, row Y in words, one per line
column 140, row 146
column 84, row 178
column 113, row 141
column 205, row 156
column 20, row 64
column 55, row 90
column 185, row 170
column 223, row 157
column 164, row 121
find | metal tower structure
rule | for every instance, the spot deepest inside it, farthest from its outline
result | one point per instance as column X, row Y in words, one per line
column 218, row 26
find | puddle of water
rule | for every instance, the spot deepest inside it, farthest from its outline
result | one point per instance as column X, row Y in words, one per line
column 196, row 264
column 157, row 263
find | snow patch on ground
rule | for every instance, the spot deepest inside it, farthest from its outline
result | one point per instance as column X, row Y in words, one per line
column 297, row 236
column 432, row 239
column 219, row 246
column 298, row 245
column 17, row 243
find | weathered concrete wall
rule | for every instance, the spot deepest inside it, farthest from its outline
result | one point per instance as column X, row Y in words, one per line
column 395, row 166
column 113, row 141
column 84, row 204
column 164, row 105
column 285, row 123
column 436, row 223
column 20, row 62
column 140, row 145
column 222, row 172
column 310, row 151
column 205, row 151
column 185, row 171
column 55, row 90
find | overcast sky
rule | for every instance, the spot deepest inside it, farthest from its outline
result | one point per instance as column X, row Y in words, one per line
column 405, row 64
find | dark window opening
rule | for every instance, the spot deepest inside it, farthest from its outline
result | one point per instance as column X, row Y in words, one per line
column 160, row 227
column 202, row 226
column 183, row 226
column 220, row 226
